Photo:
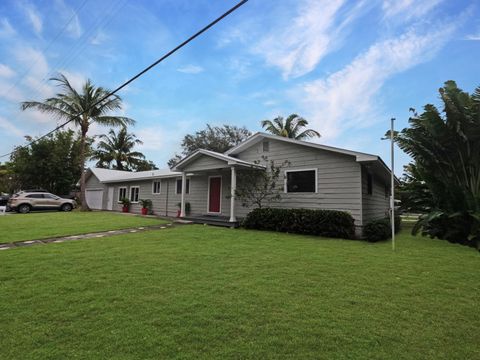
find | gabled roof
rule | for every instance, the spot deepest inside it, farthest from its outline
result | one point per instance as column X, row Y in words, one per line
column 259, row 136
column 108, row 175
column 359, row 156
column 228, row 159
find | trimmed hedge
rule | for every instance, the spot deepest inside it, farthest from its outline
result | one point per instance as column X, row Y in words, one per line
column 330, row 223
column 379, row 230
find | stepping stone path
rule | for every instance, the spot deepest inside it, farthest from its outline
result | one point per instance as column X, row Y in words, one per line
column 83, row 236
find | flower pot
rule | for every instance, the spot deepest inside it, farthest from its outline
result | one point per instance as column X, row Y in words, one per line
column 125, row 209
column 178, row 213
column 144, row 211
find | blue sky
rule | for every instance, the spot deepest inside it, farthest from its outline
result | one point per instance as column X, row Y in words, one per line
column 346, row 66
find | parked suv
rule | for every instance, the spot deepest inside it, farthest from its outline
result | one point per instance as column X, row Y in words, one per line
column 25, row 201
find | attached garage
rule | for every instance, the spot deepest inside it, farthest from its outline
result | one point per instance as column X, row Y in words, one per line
column 94, row 198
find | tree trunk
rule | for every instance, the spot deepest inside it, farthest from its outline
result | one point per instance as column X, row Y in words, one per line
column 82, row 166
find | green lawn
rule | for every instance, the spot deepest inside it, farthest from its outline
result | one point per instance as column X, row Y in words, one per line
column 42, row 225
column 195, row 292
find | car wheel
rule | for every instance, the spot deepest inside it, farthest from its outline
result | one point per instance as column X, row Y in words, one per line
column 24, row 209
column 66, row 207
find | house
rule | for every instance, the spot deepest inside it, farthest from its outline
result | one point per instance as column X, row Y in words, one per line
column 316, row 177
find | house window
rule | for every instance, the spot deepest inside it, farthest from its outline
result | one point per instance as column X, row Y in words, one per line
column 369, row 184
column 179, row 186
column 156, row 187
column 134, row 190
column 266, row 146
column 122, row 193
column 301, row 181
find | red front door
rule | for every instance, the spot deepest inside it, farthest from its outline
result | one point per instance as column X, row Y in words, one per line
column 214, row 194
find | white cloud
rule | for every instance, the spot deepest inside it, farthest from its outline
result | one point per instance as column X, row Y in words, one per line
column 408, row 9
column 33, row 59
column 6, row 71
column 6, row 30
column 77, row 80
column 9, row 92
column 74, row 28
column 99, row 38
column 33, row 16
column 315, row 30
column 191, row 69
column 7, row 126
column 473, row 37
column 349, row 98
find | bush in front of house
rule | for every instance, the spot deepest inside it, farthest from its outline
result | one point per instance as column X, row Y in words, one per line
column 378, row 230
column 329, row 223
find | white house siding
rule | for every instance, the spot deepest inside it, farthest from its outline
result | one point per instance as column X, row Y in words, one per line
column 94, row 184
column 376, row 205
column 338, row 178
column 163, row 205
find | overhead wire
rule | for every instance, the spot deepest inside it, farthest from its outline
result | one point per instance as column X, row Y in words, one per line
column 50, row 43
column 135, row 77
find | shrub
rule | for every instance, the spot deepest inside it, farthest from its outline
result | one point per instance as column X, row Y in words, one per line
column 378, row 230
column 328, row 223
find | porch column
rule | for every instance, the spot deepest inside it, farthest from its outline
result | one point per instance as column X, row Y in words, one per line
column 232, row 194
column 184, row 189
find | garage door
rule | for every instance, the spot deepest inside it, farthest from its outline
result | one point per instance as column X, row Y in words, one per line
column 94, row 199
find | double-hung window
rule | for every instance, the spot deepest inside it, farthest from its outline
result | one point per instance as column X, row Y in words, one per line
column 156, row 187
column 304, row 181
column 134, row 190
column 122, row 193
column 179, row 186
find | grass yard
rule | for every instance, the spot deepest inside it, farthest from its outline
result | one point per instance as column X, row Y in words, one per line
column 42, row 225
column 195, row 292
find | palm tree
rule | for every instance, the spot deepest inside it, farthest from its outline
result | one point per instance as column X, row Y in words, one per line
column 290, row 128
column 117, row 148
column 82, row 109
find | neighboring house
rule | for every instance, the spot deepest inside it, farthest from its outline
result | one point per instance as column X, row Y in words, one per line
column 317, row 177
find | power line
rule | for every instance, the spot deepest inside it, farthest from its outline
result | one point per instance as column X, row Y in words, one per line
column 148, row 68
column 62, row 30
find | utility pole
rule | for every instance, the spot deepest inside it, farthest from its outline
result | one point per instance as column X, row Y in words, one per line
column 392, row 179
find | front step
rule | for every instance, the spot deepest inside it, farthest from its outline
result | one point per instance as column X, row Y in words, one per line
column 212, row 220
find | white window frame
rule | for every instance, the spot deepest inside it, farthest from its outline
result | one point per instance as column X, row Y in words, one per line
column 187, row 190
column 159, row 187
column 300, row 192
column 119, row 199
column 130, row 194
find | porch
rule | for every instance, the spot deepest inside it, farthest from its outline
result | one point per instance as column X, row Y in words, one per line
column 212, row 181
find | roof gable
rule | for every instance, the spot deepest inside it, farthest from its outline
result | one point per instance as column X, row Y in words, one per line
column 259, row 136
column 228, row 160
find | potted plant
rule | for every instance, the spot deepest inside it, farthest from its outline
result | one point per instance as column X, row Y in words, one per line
column 125, row 205
column 146, row 206
column 187, row 208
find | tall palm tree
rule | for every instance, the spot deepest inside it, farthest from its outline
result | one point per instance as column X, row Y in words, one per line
column 291, row 127
column 117, row 148
column 79, row 108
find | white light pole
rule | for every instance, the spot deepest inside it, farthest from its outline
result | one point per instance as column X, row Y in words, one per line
column 392, row 179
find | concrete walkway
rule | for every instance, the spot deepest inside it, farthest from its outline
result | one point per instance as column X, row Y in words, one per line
column 95, row 235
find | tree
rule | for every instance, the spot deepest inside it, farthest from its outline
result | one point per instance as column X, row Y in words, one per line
column 82, row 109
column 214, row 138
column 446, row 150
column 6, row 178
column 259, row 187
column 51, row 163
column 413, row 192
column 115, row 151
column 291, row 127
column 145, row 165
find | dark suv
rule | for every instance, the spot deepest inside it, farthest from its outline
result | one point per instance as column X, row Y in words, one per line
column 25, row 201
